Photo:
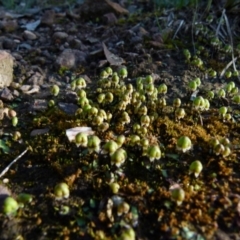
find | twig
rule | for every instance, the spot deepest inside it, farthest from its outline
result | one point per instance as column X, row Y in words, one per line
column 228, row 65
column 180, row 25
column 231, row 40
column 10, row 164
column 192, row 30
column 208, row 7
column 220, row 23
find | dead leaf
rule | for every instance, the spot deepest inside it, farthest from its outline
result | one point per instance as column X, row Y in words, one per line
column 32, row 25
column 112, row 58
column 102, row 63
column 158, row 37
column 142, row 32
column 156, row 44
column 72, row 132
column 117, row 7
column 73, row 177
column 110, row 18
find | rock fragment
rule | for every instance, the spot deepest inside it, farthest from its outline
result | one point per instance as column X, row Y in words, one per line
column 8, row 43
column 29, row 35
column 6, row 69
column 48, row 18
column 70, row 59
column 62, row 36
column 4, row 192
column 9, row 25
column 39, row 105
column 6, row 95
column 68, row 108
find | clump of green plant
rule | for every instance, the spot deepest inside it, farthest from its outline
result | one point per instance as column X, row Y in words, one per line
column 24, row 198
column 55, row 90
column 130, row 128
column 178, row 195
column 110, row 147
column 184, row 144
column 61, row 191
column 118, row 157
column 10, row 206
column 196, row 168
column 114, row 186
column 154, row 153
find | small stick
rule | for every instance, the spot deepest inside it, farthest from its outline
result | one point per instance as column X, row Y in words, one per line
column 220, row 22
column 228, row 65
column 180, row 25
column 231, row 40
column 10, row 164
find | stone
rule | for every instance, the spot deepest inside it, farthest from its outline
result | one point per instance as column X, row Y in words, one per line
column 6, row 95
column 8, row 44
column 70, row 59
column 24, row 46
column 25, row 88
column 37, row 132
column 17, row 56
column 29, row 89
column 75, row 43
column 110, row 18
column 71, row 97
column 39, row 105
column 16, row 93
column 29, row 35
column 59, row 36
column 4, row 192
column 9, row 26
column 48, row 18
column 36, row 79
column 34, row 89
column 68, row 108
column 6, row 69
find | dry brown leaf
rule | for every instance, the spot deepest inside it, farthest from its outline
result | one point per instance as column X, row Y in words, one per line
column 112, row 58
column 156, row 44
column 117, row 7
column 73, row 177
